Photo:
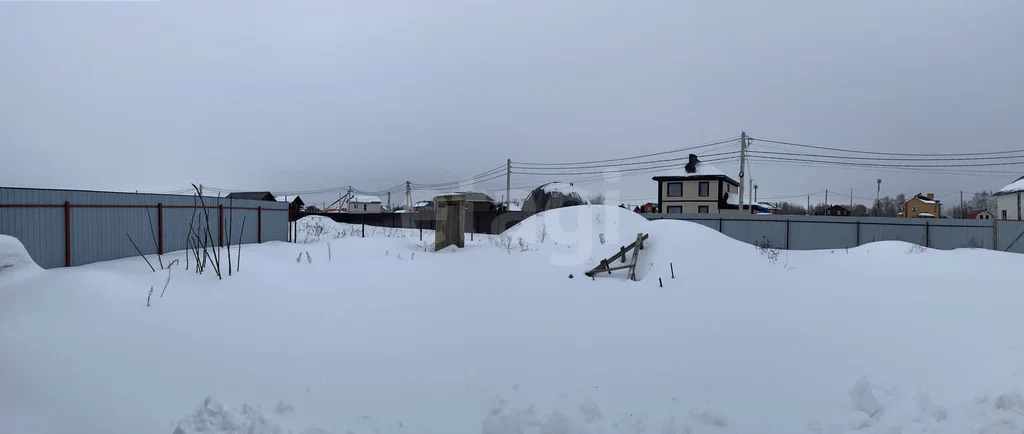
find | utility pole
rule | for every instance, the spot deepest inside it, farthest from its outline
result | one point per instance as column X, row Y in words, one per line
column 508, row 184
column 878, row 198
column 851, row 201
column 755, row 193
column 389, row 201
column 750, row 195
column 826, row 198
column 408, row 195
column 743, row 161
column 808, row 204
column 349, row 198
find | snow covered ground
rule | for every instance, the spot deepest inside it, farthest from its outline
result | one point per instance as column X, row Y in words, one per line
column 379, row 335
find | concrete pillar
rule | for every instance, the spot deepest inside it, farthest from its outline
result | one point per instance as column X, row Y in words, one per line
column 449, row 218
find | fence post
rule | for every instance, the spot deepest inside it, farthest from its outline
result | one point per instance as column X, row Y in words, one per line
column 787, row 234
column 927, row 234
column 858, row 232
column 220, row 225
column 719, row 225
column 995, row 235
column 259, row 225
column 67, row 234
column 160, row 228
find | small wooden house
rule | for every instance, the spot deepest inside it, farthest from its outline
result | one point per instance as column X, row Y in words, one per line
column 837, row 211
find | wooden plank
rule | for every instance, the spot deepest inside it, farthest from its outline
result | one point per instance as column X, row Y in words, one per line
column 635, row 246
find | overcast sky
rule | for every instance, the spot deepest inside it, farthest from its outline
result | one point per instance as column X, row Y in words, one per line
column 282, row 95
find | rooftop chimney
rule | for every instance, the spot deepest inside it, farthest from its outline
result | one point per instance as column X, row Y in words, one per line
column 691, row 167
column 931, row 196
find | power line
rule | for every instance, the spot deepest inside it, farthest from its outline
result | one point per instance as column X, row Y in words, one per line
column 517, row 166
column 906, row 154
column 612, row 171
column 905, row 166
column 633, row 157
column 498, row 169
column 850, row 157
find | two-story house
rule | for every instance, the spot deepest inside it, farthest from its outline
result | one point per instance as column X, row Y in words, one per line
column 700, row 189
column 1009, row 200
column 360, row 204
column 921, row 206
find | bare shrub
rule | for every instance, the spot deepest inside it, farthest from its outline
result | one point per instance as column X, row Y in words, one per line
column 766, row 249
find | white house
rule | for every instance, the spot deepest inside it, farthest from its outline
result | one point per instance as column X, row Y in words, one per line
column 1008, row 201
column 360, row 204
column 701, row 188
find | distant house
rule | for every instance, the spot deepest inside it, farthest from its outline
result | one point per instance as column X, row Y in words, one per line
column 766, row 208
column 478, row 202
column 701, row 188
column 360, row 204
column 837, row 211
column 295, row 203
column 251, row 195
column 423, row 206
column 921, row 206
column 649, row 208
column 1008, row 200
column 475, row 201
column 979, row 215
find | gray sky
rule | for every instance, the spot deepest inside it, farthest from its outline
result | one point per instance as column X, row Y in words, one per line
column 315, row 94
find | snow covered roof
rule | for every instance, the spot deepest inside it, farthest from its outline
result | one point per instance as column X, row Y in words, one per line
column 697, row 169
column 470, row 196
column 925, row 214
column 1014, row 187
column 423, row 203
column 515, row 206
column 365, row 199
column 732, row 198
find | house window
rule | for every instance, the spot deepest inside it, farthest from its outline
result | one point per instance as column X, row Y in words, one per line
column 703, row 209
column 1004, row 214
column 675, row 189
column 675, row 210
column 914, row 208
column 704, row 189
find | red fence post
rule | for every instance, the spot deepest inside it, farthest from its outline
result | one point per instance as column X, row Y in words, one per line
column 160, row 228
column 67, row 234
column 259, row 225
column 220, row 226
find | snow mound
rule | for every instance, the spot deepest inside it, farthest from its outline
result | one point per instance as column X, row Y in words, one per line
column 14, row 259
column 582, row 236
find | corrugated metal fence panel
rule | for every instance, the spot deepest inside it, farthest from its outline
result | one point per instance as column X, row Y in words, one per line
column 101, row 220
column 41, row 230
column 821, row 232
column 711, row 223
column 892, row 229
column 1008, row 233
column 770, row 231
column 954, row 234
column 812, row 233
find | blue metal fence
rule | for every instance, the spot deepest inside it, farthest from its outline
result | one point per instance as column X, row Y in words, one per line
column 74, row 227
column 825, row 232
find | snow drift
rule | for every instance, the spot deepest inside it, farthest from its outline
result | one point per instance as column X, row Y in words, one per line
column 14, row 259
column 376, row 335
